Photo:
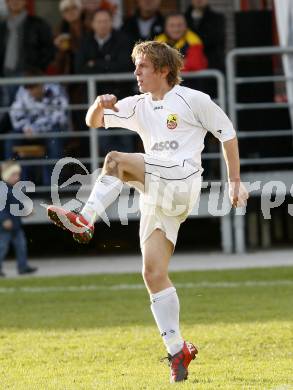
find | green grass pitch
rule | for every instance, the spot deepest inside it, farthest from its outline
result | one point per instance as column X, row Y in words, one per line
column 97, row 332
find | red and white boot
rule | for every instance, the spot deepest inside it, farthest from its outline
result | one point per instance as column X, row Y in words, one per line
column 180, row 361
column 64, row 219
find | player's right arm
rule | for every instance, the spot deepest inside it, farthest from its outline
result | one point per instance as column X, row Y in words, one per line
column 106, row 111
column 95, row 115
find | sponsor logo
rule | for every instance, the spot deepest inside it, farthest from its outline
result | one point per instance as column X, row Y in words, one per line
column 219, row 131
column 165, row 145
column 172, row 121
column 158, row 108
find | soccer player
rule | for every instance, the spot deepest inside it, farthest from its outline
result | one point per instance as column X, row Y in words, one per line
column 172, row 121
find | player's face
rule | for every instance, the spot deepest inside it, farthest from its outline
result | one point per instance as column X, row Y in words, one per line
column 148, row 79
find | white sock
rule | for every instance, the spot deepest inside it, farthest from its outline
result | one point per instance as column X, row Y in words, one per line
column 165, row 308
column 105, row 192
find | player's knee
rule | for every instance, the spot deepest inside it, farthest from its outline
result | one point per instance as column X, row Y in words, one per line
column 113, row 155
column 152, row 276
column 118, row 157
column 113, row 163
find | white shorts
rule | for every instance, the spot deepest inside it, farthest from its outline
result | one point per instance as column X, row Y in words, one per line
column 170, row 193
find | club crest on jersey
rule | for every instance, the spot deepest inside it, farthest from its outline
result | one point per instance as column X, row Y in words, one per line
column 172, row 121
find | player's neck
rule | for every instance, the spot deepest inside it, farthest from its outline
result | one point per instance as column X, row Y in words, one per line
column 161, row 92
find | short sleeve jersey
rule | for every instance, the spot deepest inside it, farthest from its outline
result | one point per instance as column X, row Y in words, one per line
column 173, row 128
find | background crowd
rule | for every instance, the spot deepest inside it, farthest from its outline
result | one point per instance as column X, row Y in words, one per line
column 42, row 122
column 90, row 39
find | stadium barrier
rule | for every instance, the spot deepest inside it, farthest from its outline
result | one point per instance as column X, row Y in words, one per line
column 92, row 135
column 234, row 107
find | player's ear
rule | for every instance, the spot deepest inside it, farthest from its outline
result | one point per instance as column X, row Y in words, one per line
column 165, row 71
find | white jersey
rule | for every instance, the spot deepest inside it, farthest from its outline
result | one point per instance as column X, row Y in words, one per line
column 173, row 128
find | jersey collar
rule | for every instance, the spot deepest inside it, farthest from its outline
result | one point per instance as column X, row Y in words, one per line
column 166, row 96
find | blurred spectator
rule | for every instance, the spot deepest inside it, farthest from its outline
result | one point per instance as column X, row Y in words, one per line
column 146, row 23
column 70, row 32
column 11, row 231
column 104, row 50
column 177, row 35
column 114, row 6
column 210, row 26
column 25, row 41
column 39, row 108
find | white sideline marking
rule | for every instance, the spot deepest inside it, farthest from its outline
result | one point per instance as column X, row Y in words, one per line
column 119, row 287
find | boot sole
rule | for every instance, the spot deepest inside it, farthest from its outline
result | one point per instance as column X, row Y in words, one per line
column 53, row 216
column 81, row 238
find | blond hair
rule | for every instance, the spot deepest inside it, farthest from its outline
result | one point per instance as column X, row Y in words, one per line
column 8, row 168
column 161, row 55
column 64, row 4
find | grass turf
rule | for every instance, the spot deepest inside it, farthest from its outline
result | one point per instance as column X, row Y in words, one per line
column 80, row 333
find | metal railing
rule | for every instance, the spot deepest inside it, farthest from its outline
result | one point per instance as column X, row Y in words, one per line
column 234, row 107
column 92, row 82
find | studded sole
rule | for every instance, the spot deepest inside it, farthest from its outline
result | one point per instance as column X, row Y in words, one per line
column 52, row 215
column 81, row 238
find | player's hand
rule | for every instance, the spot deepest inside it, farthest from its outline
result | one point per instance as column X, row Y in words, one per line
column 238, row 194
column 108, row 101
column 7, row 224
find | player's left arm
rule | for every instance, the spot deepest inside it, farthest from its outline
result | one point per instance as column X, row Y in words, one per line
column 213, row 119
column 237, row 192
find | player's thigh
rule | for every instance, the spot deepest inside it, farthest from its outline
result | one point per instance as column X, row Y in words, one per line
column 156, row 252
column 134, row 170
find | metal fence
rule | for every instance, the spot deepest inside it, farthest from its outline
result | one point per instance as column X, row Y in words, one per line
column 92, row 135
column 234, row 107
